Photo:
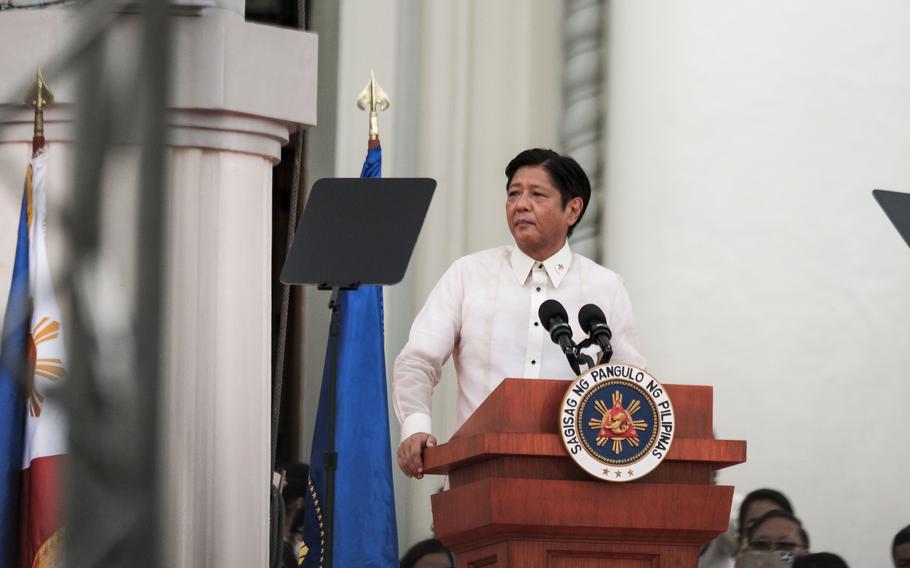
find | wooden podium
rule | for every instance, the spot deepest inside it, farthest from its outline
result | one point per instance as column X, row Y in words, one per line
column 517, row 499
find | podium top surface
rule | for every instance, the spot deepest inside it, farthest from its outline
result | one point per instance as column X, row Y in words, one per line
column 519, row 418
column 532, row 405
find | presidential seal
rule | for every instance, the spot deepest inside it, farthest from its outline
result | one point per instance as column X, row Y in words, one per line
column 617, row 422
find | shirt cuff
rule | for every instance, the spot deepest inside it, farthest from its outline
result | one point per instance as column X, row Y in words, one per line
column 417, row 422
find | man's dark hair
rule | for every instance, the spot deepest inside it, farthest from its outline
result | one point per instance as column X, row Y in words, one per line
column 779, row 514
column 902, row 537
column 565, row 173
column 819, row 560
column 421, row 549
column 765, row 494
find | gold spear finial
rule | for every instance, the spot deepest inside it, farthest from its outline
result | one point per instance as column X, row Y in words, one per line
column 373, row 98
column 39, row 96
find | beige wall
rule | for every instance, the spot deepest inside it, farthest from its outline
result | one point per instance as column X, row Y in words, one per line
column 745, row 140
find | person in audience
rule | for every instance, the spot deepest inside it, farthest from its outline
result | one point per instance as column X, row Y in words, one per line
column 429, row 553
column 294, row 495
column 900, row 548
column 756, row 504
column 774, row 532
column 820, row 560
column 722, row 551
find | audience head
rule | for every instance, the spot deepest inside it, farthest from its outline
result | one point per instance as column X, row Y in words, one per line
column 778, row 530
column 820, row 560
column 756, row 504
column 900, row 548
column 428, row 553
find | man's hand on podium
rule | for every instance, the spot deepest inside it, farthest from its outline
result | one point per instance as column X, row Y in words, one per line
column 410, row 453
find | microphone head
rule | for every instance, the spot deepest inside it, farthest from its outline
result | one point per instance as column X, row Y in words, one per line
column 549, row 311
column 589, row 315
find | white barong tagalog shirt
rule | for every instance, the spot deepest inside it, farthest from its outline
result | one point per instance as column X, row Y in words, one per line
column 484, row 312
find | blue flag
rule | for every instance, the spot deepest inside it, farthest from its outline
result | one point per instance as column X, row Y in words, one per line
column 13, row 367
column 365, row 532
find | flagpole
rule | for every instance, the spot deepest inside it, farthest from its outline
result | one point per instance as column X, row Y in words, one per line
column 372, row 99
column 39, row 97
column 40, row 525
column 16, row 365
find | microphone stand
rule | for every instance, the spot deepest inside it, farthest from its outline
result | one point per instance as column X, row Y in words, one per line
column 572, row 357
column 585, row 359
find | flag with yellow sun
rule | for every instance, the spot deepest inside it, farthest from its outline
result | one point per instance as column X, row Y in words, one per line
column 32, row 356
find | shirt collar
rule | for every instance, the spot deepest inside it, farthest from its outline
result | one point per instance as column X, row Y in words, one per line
column 556, row 266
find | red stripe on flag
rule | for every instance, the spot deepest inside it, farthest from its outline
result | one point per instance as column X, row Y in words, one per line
column 41, row 509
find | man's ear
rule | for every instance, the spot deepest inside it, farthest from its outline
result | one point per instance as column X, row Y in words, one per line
column 575, row 204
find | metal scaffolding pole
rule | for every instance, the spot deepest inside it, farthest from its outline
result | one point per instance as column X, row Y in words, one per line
column 113, row 392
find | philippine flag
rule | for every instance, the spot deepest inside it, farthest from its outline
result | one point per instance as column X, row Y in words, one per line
column 33, row 362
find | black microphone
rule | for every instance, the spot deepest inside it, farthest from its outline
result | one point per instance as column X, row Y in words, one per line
column 594, row 323
column 555, row 320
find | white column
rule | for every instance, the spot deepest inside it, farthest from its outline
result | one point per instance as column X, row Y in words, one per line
column 489, row 88
column 218, row 376
column 583, row 105
column 485, row 85
column 238, row 90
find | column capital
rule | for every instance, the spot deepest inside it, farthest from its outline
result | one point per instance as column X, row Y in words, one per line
column 237, row 86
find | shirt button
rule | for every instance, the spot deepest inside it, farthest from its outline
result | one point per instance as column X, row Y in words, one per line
column 536, row 324
column 540, row 266
column 538, row 288
column 533, row 362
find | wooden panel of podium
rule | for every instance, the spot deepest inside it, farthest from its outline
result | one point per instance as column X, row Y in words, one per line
column 517, row 499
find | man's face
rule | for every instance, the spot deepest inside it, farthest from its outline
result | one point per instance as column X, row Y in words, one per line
column 778, row 534
column 535, row 214
column 902, row 555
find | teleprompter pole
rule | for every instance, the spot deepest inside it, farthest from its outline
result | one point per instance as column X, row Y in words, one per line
column 331, row 456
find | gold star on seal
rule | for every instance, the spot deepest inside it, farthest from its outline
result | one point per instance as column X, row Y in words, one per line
column 631, row 473
column 618, row 473
column 606, row 471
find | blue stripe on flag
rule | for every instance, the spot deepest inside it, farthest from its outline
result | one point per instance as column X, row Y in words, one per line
column 13, row 365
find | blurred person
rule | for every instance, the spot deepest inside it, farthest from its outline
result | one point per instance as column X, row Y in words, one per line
column 483, row 312
column 820, row 560
column 756, row 504
column 296, row 478
column 900, row 548
column 774, row 539
column 429, row 553
column 721, row 552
